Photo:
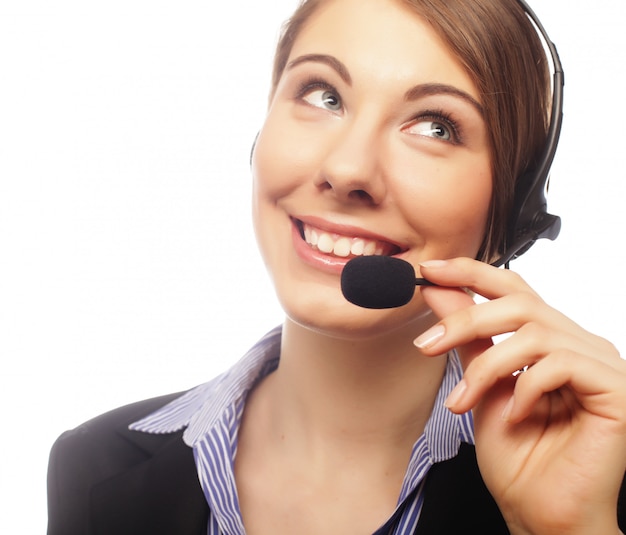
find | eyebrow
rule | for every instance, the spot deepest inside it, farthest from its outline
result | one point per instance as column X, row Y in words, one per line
column 331, row 61
column 425, row 90
column 415, row 93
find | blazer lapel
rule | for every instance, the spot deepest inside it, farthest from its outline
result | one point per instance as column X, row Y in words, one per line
column 456, row 499
column 160, row 496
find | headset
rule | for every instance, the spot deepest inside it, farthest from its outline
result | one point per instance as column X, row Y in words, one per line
column 529, row 219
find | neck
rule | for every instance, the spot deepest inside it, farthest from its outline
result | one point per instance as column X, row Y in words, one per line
column 359, row 394
column 333, row 428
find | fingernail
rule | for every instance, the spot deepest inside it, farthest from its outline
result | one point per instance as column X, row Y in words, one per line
column 457, row 393
column 430, row 337
column 508, row 408
column 433, row 263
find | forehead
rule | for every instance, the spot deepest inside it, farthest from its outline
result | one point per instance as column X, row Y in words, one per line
column 385, row 38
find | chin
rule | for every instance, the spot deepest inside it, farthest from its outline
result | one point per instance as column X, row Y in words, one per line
column 333, row 316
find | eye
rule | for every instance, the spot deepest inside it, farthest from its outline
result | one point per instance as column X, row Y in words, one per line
column 430, row 128
column 322, row 96
column 435, row 124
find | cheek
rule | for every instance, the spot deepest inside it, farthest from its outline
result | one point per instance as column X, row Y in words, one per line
column 276, row 173
column 280, row 161
column 268, row 153
column 450, row 207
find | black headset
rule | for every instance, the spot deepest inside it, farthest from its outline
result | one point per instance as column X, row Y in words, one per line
column 529, row 219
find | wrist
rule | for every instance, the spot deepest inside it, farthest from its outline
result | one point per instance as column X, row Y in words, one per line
column 604, row 523
column 607, row 528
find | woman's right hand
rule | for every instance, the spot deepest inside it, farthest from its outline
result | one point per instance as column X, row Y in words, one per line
column 550, row 441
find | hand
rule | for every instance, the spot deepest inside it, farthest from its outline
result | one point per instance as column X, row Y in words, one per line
column 551, row 441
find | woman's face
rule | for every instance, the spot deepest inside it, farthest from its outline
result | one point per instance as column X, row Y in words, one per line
column 374, row 143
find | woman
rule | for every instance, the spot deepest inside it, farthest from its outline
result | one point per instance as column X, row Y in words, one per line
column 394, row 127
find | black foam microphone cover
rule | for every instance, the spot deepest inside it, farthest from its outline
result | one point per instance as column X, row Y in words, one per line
column 378, row 281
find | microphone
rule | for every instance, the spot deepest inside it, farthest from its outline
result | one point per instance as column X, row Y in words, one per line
column 379, row 281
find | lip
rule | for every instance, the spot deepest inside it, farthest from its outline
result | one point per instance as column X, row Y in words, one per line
column 329, row 262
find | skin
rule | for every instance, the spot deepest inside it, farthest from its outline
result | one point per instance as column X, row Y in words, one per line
column 550, row 443
column 359, row 152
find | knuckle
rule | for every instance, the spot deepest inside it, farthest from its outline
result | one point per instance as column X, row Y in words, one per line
column 526, row 304
column 534, row 331
column 519, row 284
column 609, row 348
column 562, row 357
column 531, row 299
column 478, row 369
column 517, row 279
column 462, row 321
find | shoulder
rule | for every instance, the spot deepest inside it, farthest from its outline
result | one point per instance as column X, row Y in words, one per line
column 95, row 451
column 106, row 429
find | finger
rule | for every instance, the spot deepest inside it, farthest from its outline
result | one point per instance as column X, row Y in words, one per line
column 444, row 302
column 502, row 361
column 484, row 279
column 599, row 388
column 462, row 322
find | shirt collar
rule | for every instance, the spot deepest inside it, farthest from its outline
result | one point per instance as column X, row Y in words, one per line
column 202, row 407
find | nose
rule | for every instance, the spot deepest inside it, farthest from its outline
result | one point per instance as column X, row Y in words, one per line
column 351, row 168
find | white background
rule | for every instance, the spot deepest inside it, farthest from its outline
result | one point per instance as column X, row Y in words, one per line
column 127, row 263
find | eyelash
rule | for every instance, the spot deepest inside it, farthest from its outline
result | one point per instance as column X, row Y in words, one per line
column 436, row 115
column 314, row 83
column 441, row 116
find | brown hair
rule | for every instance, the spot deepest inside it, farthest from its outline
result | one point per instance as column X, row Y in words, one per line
column 498, row 46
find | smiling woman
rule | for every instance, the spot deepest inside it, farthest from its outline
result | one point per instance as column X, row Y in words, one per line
column 367, row 167
column 395, row 128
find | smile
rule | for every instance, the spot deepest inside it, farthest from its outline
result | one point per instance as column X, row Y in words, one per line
column 343, row 246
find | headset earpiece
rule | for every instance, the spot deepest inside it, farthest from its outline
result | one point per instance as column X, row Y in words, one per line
column 529, row 220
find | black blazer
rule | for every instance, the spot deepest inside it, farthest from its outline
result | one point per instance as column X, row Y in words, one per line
column 106, row 480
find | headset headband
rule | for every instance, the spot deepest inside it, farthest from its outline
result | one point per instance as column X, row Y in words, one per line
column 530, row 220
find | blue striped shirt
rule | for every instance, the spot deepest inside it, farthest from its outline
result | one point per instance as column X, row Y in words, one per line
column 211, row 414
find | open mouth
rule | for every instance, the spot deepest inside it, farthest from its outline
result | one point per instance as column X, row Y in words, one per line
column 343, row 246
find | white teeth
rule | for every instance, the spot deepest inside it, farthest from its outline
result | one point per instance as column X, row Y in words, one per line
column 325, row 243
column 342, row 246
column 358, row 246
column 370, row 248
